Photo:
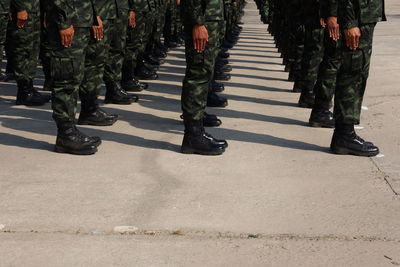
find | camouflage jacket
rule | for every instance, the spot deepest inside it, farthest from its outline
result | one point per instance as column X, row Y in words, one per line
column 142, row 6
column 105, row 9
column 353, row 13
column 32, row 6
column 4, row 6
column 64, row 13
column 197, row 12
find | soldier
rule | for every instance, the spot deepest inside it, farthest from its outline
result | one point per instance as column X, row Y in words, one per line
column 357, row 20
column 115, row 16
column 24, row 41
column 202, row 23
column 313, row 53
column 4, row 10
column 72, row 35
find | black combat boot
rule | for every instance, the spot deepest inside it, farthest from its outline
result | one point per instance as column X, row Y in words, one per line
column 223, row 54
column 216, row 86
column 221, row 76
column 211, row 120
column 48, row 85
column 223, row 68
column 307, row 97
column 345, row 141
column 197, row 141
column 297, row 87
column 158, row 53
column 154, row 61
column 222, row 61
column 216, row 101
column 142, row 73
column 27, row 95
column 3, row 76
column 322, row 118
column 71, row 140
column 91, row 114
column 115, row 94
column 133, row 85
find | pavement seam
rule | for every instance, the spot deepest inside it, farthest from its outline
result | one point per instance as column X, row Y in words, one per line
column 385, row 177
column 212, row 235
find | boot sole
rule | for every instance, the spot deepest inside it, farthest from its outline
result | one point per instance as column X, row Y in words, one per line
column 96, row 124
column 60, row 149
column 320, row 125
column 118, row 103
column 20, row 103
column 346, row 151
column 223, row 106
column 193, row 151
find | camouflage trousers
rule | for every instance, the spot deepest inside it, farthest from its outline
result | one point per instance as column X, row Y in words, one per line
column 199, row 71
column 116, row 53
column 312, row 56
column 295, row 47
column 3, row 32
column 24, row 44
column 77, row 71
column 344, row 74
column 137, row 39
column 352, row 78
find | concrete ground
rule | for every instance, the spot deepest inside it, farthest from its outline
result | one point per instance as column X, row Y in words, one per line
column 277, row 197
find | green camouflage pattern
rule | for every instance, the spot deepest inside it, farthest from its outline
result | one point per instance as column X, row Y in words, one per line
column 24, row 44
column 199, row 71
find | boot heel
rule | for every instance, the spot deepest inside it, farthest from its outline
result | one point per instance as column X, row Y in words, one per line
column 341, row 151
column 187, row 150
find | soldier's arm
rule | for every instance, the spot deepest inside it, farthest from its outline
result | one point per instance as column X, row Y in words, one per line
column 132, row 13
column 329, row 11
column 21, row 5
column 64, row 13
column 350, row 21
column 195, row 12
column 348, row 17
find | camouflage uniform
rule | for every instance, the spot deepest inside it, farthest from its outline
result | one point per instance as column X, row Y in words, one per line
column 24, row 42
column 200, row 66
column 68, row 63
column 354, row 69
column 4, row 9
column 313, row 45
column 115, row 59
column 138, row 37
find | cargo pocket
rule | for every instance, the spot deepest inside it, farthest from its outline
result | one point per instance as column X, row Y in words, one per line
column 353, row 61
column 64, row 68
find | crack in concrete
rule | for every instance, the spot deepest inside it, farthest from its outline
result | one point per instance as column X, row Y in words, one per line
column 214, row 235
column 386, row 177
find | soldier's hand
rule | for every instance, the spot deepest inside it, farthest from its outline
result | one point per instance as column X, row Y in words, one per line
column 132, row 19
column 322, row 22
column 352, row 37
column 333, row 28
column 98, row 30
column 22, row 17
column 200, row 37
column 67, row 36
column 234, row 4
column 178, row 2
column 10, row 16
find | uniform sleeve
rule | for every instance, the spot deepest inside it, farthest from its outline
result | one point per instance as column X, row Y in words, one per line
column 132, row 6
column 64, row 13
column 348, row 18
column 21, row 5
column 195, row 12
column 329, row 8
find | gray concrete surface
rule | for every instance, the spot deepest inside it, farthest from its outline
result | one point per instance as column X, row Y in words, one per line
column 277, row 197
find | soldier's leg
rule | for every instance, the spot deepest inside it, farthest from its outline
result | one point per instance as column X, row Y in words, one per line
column 199, row 70
column 351, row 84
column 312, row 58
column 134, row 43
column 113, row 67
column 3, row 34
column 325, row 86
column 24, row 44
column 89, row 90
column 67, row 70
